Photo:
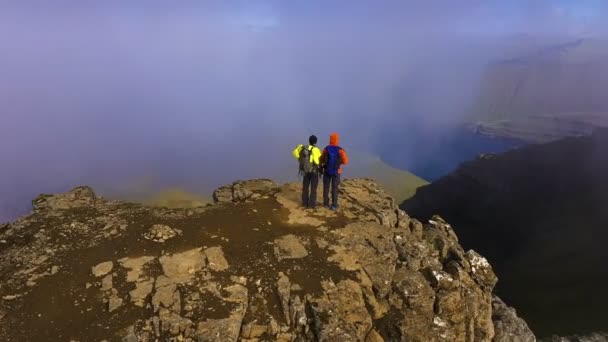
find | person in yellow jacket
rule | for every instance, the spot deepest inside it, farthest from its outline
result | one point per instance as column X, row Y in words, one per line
column 309, row 159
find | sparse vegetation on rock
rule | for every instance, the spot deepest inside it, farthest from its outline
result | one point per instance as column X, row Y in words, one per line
column 253, row 267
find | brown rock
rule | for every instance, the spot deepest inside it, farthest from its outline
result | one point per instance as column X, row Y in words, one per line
column 226, row 329
column 102, row 269
column 369, row 247
column 507, row 325
column 161, row 233
column 289, row 247
column 366, row 270
column 374, row 336
column 481, row 270
column 341, row 313
column 181, row 267
column 216, row 259
column 253, row 330
column 82, row 196
column 284, row 291
column 172, row 323
column 166, row 295
column 142, row 289
column 114, row 302
column 135, row 266
column 243, row 190
column 54, row 269
column 106, row 283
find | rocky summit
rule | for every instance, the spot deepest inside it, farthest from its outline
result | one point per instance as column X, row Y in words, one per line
column 254, row 266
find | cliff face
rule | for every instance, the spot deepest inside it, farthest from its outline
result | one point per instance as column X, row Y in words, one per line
column 252, row 267
column 539, row 214
column 547, row 94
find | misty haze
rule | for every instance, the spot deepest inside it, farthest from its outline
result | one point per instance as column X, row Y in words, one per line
column 194, row 97
column 490, row 114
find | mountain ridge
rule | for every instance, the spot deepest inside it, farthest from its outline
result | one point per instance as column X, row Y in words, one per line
column 538, row 213
column 533, row 97
column 254, row 266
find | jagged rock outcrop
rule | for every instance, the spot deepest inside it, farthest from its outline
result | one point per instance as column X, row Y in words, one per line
column 256, row 267
column 81, row 196
column 243, row 190
column 508, row 326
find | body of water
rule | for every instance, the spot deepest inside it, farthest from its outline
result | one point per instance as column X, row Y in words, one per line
column 433, row 155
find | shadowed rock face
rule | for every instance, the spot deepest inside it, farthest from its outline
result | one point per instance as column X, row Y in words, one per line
column 252, row 267
column 594, row 337
column 539, row 214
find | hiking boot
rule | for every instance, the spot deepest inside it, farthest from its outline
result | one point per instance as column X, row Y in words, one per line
column 333, row 208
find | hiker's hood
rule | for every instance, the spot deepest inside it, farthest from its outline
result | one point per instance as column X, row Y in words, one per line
column 334, row 139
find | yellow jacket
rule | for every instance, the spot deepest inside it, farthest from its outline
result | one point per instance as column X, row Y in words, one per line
column 315, row 154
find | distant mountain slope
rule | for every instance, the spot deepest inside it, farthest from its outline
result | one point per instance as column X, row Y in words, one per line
column 539, row 213
column 551, row 83
column 543, row 128
column 399, row 183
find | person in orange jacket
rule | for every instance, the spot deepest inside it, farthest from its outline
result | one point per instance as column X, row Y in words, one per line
column 332, row 159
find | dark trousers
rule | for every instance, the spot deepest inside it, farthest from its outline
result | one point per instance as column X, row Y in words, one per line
column 334, row 182
column 309, row 198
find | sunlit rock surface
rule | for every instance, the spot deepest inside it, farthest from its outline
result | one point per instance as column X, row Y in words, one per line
column 253, row 267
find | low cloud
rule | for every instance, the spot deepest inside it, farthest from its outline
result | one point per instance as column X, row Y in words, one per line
column 211, row 91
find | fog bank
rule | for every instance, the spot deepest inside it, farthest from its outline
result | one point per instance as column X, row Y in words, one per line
column 197, row 94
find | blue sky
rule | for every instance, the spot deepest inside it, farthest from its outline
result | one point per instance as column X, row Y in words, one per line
column 475, row 15
column 500, row 17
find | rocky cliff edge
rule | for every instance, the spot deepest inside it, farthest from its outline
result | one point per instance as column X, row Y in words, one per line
column 252, row 267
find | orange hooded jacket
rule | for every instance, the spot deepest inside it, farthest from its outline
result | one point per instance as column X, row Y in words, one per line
column 334, row 140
